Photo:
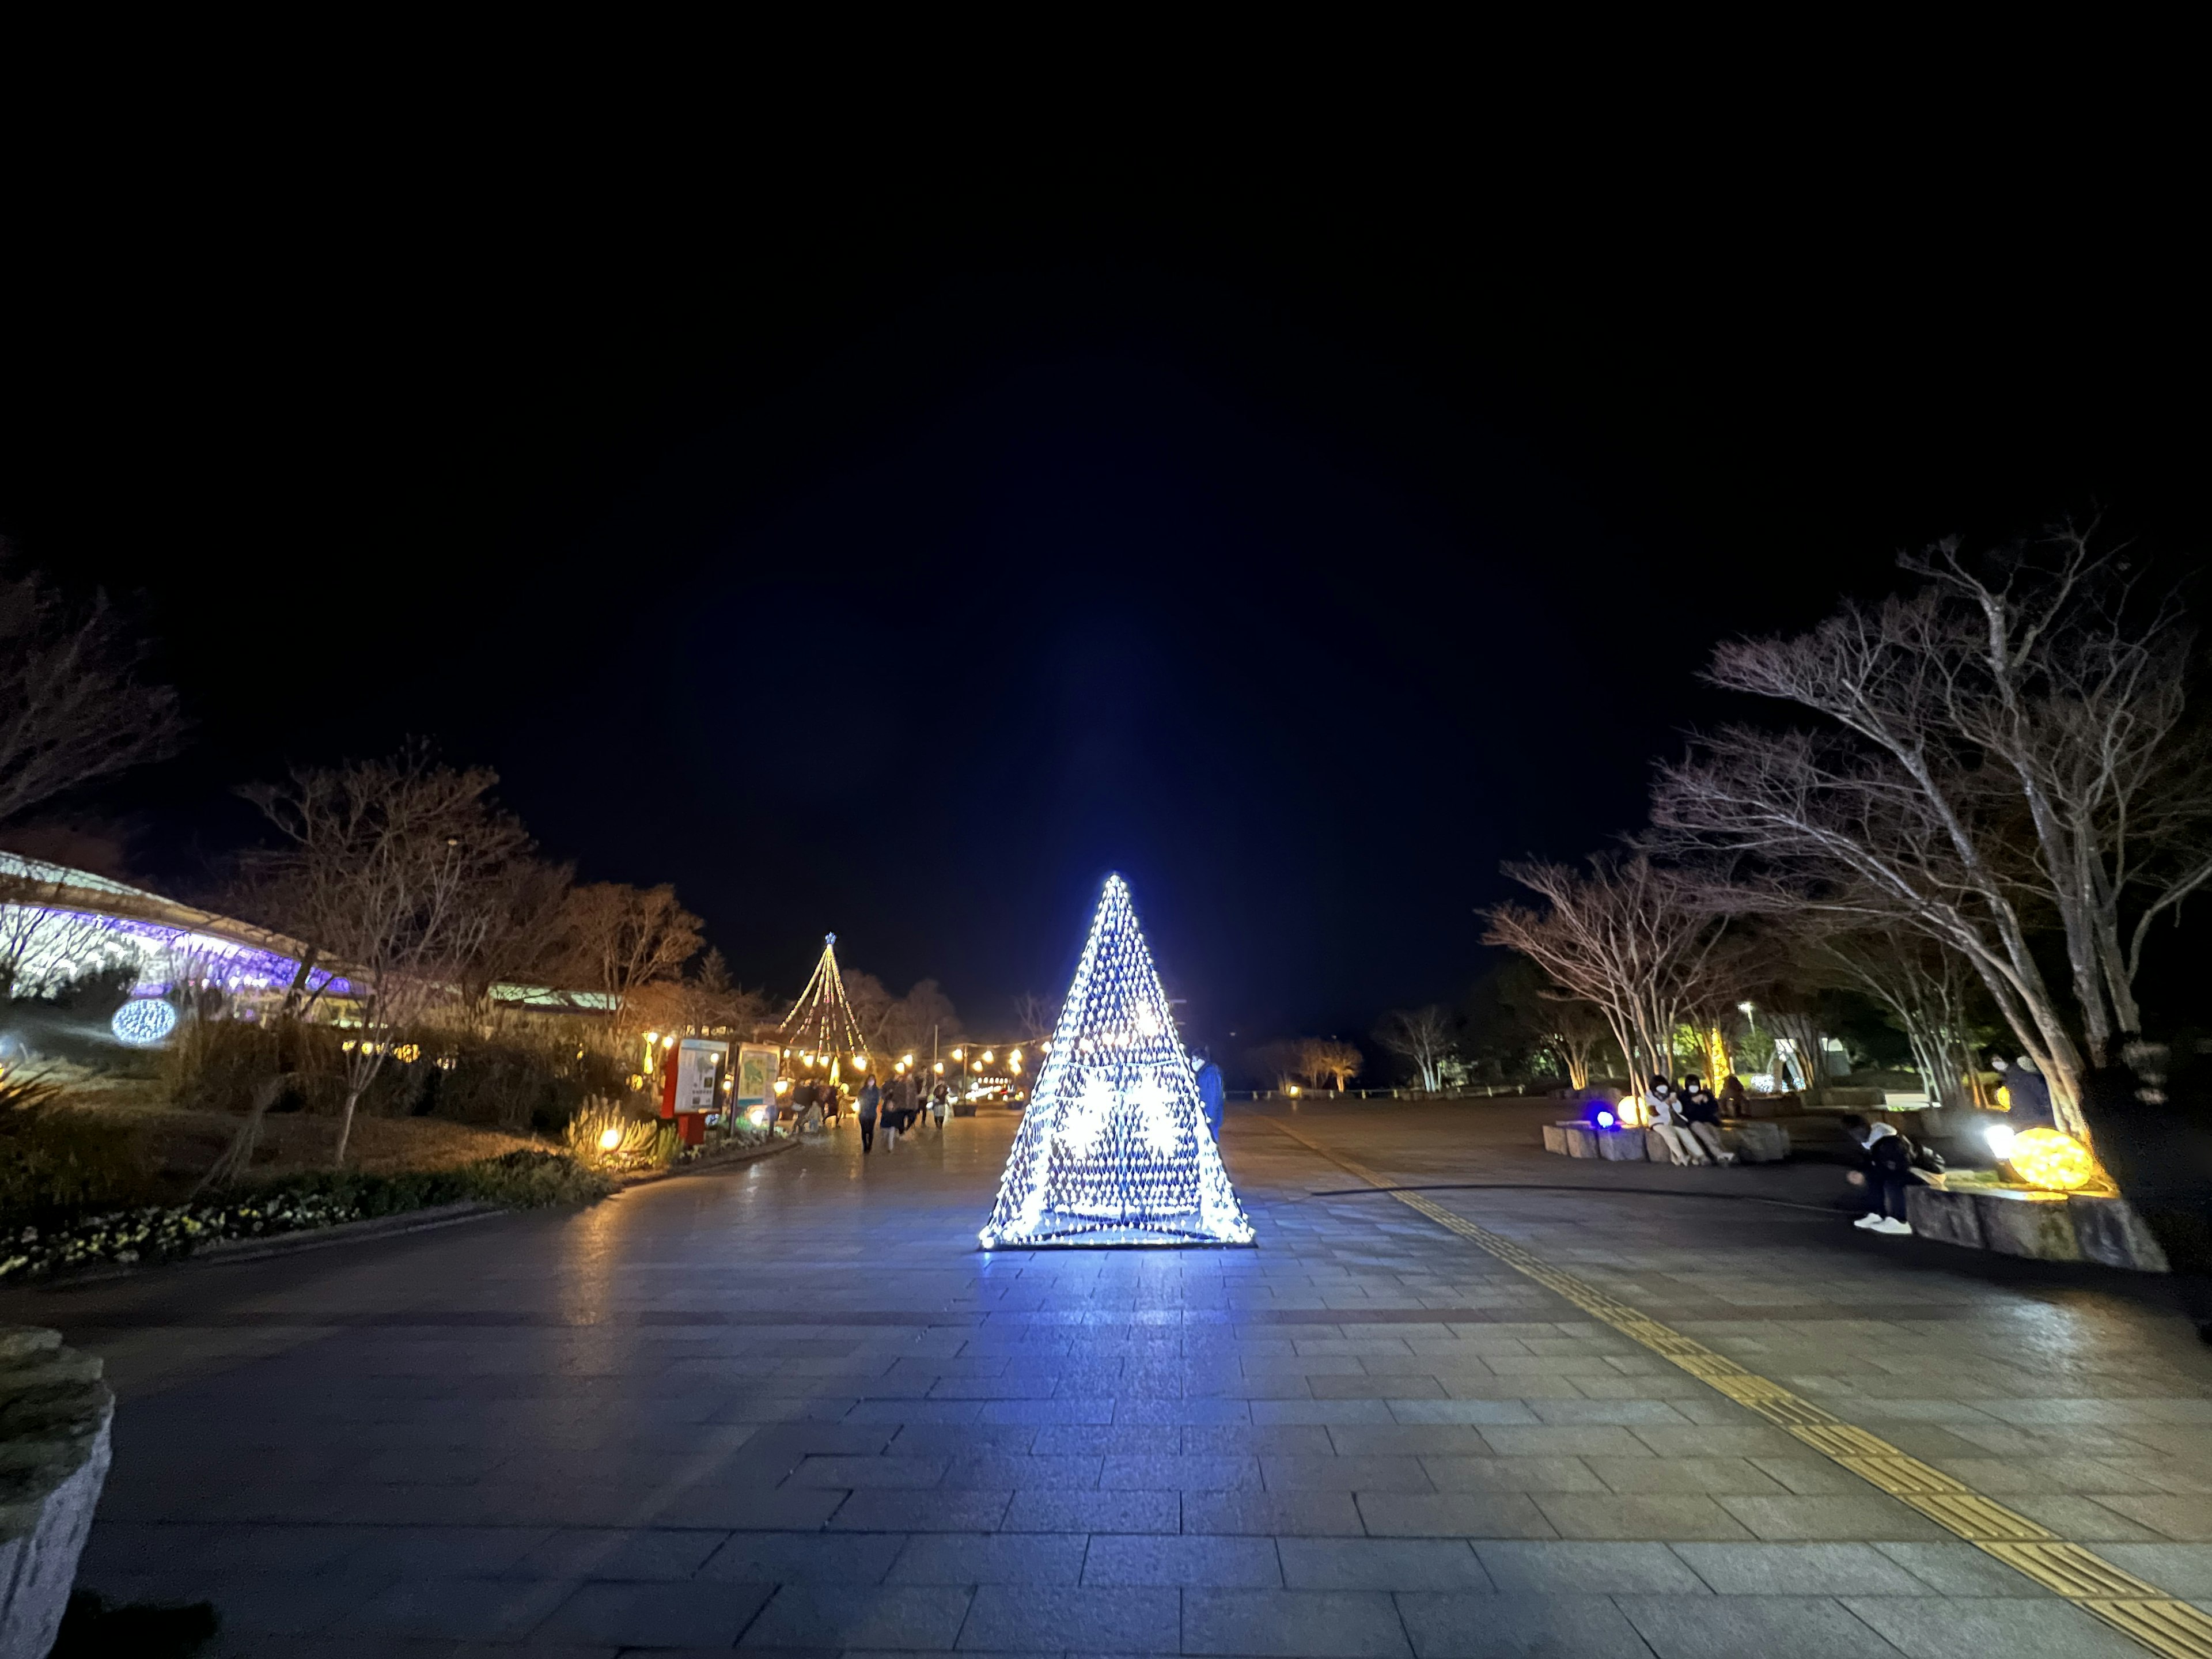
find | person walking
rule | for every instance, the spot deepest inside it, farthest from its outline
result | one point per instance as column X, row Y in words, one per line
column 1886, row 1170
column 865, row 1110
column 940, row 1101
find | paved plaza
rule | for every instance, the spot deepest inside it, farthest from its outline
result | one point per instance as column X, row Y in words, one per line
column 792, row 1407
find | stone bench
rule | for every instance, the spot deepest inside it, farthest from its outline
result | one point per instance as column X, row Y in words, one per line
column 2041, row 1226
column 55, row 1413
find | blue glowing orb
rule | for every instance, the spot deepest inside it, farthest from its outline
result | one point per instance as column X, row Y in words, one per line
column 144, row 1023
column 1605, row 1120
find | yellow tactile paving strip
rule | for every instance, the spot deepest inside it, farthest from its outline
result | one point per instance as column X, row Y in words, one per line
column 2164, row 1624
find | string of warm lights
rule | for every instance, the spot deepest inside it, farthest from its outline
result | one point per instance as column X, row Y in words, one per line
column 1114, row 1148
column 820, row 1027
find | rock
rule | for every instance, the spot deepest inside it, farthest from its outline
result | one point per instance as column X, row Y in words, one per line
column 1621, row 1146
column 55, row 1414
column 1950, row 1217
column 1555, row 1139
column 2035, row 1225
column 1759, row 1142
column 2109, row 1231
column 1655, row 1147
column 1582, row 1139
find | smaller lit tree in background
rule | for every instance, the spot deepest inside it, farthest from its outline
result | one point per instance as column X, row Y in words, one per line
column 1422, row 1037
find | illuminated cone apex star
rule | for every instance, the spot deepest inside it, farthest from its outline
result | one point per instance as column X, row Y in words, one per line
column 1114, row 1148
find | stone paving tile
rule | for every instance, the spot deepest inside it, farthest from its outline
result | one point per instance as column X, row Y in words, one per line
column 1799, row 1570
column 1869, row 1517
column 1751, row 1627
column 819, row 1616
column 1570, row 1567
column 1381, row 1563
column 1661, row 1515
column 2093, row 1521
column 463, row 1609
column 647, row 1553
column 659, row 1615
column 1048, row 1510
column 1337, row 1474
column 1276, row 1514
column 1329, row 1624
column 1529, row 1474
column 1006, row 1558
column 1454, row 1515
column 1936, row 1629
column 798, row 1557
column 1220, row 1561
column 1119, row 1620
column 1508, row 1626
column 1509, row 1409
column 2181, row 1569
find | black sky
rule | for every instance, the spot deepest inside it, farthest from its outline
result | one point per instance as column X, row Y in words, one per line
column 897, row 555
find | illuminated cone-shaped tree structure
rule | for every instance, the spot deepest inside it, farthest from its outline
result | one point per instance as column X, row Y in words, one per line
column 1113, row 1148
column 821, row 1022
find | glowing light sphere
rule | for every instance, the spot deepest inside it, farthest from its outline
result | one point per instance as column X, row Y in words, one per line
column 1113, row 1148
column 143, row 1022
column 2000, row 1136
column 610, row 1138
column 1605, row 1120
column 2052, row 1160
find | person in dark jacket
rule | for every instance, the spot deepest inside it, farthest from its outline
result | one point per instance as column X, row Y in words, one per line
column 1885, row 1168
column 1702, row 1112
column 1732, row 1096
column 865, row 1110
column 1212, row 1097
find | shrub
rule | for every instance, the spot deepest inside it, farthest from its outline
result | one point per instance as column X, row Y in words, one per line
column 55, row 1160
column 216, row 1065
column 517, row 1180
column 645, row 1143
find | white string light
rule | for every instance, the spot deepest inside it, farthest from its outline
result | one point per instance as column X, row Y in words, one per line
column 1114, row 1148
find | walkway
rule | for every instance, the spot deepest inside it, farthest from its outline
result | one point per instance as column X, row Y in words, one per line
column 791, row 1408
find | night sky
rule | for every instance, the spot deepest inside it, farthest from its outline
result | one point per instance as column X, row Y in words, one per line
column 1299, row 550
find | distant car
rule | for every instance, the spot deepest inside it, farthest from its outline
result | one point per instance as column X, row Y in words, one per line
column 997, row 1094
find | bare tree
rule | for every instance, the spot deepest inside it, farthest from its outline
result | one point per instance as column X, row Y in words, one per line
column 1035, row 1017
column 1923, row 985
column 71, row 708
column 1574, row 1030
column 897, row 1025
column 523, row 928
column 621, row 939
column 1422, row 1036
column 379, row 865
column 1279, row 1060
column 1326, row 1062
column 2007, row 746
column 1625, row 939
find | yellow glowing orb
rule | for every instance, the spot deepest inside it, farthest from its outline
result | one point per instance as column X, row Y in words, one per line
column 2051, row 1160
column 608, row 1140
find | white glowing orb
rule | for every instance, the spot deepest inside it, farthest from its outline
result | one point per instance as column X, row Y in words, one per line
column 144, row 1021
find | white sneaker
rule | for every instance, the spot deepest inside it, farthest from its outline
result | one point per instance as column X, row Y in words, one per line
column 1892, row 1227
column 1870, row 1219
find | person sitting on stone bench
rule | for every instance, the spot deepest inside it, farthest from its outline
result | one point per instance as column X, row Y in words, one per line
column 1701, row 1114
